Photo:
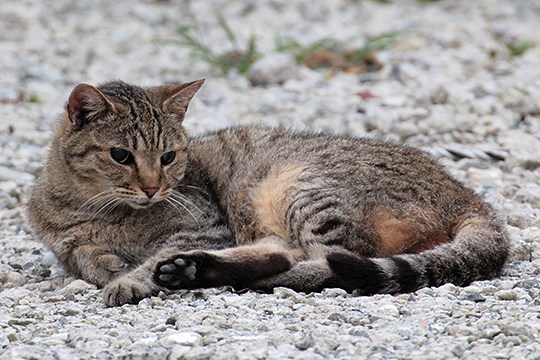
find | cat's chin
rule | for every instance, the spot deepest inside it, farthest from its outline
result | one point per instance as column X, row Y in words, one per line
column 140, row 206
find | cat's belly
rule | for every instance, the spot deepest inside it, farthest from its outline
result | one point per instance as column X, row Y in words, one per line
column 297, row 203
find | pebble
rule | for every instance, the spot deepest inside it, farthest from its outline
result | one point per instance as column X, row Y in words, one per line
column 15, row 279
column 78, row 286
column 183, row 338
column 15, row 175
column 273, row 69
column 389, row 310
column 334, row 292
column 508, row 295
column 529, row 194
column 4, row 341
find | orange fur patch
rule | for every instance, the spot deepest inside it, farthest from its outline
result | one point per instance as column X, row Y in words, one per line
column 414, row 232
column 271, row 199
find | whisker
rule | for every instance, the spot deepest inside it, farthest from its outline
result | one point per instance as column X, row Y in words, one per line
column 93, row 201
column 103, row 207
column 194, row 187
column 174, row 206
column 114, row 206
column 185, row 208
column 186, row 199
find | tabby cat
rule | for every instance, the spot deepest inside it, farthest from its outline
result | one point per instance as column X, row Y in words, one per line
column 129, row 202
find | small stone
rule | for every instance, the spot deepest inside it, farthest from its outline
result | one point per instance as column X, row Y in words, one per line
column 472, row 293
column 389, row 310
column 334, row 292
column 529, row 193
column 406, row 129
column 507, row 295
column 170, row 321
column 14, row 279
column 305, row 342
column 482, row 176
column 95, row 346
column 179, row 352
column 53, row 296
column 72, row 311
column 272, row 69
column 77, row 287
column 439, row 96
column 523, row 149
column 449, row 289
column 286, row 293
column 159, row 328
column 491, row 332
column 16, row 293
column 4, row 341
column 146, row 341
column 530, row 284
column 21, row 322
column 183, row 338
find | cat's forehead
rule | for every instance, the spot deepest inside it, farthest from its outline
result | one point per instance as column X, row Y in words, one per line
column 125, row 94
column 140, row 123
column 148, row 134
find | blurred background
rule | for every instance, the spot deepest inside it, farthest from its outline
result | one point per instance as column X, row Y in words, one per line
column 458, row 78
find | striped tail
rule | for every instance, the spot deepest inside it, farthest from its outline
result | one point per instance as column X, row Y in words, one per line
column 478, row 251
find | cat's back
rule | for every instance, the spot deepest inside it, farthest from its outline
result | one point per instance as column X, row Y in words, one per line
column 239, row 158
column 251, row 146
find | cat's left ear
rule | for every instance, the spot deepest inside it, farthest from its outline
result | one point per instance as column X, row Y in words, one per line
column 85, row 103
column 175, row 98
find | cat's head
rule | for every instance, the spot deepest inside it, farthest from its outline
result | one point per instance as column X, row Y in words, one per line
column 125, row 144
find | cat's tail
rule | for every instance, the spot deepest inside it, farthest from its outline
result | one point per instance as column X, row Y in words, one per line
column 478, row 251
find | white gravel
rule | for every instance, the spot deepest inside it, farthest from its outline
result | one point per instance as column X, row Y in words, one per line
column 448, row 84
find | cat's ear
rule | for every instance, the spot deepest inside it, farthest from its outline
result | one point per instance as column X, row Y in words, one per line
column 85, row 103
column 175, row 98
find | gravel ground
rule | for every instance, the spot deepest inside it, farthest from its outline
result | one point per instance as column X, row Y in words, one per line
column 448, row 83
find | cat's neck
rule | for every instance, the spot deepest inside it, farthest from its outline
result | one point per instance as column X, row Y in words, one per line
column 209, row 164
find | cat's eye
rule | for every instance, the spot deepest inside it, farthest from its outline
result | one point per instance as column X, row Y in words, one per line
column 168, row 157
column 122, row 156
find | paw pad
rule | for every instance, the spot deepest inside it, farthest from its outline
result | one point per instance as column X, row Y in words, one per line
column 176, row 272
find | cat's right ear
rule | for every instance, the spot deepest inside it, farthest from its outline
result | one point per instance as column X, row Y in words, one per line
column 86, row 103
column 174, row 99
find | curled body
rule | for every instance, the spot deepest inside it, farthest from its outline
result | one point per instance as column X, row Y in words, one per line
column 131, row 203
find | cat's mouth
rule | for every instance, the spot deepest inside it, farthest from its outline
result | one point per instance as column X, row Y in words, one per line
column 141, row 204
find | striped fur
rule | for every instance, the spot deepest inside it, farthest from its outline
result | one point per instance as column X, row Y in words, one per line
column 249, row 206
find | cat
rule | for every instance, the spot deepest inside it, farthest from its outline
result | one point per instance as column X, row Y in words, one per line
column 129, row 202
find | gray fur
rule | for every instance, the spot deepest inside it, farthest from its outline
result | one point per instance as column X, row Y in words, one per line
column 348, row 198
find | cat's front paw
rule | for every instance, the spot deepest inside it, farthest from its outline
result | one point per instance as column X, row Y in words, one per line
column 103, row 269
column 113, row 263
column 125, row 290
column 176, row 272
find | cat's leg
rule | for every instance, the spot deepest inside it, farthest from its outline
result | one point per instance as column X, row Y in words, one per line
column 239, row 266
column 95, row 264
column 137, row 284
column 309, row 275
column 306, row 276
column 170, row 269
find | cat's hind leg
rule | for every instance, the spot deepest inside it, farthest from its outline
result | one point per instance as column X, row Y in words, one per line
column 311, row 274
column 238, row 267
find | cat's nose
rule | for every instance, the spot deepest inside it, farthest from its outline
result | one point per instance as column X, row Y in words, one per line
column 150, row 190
